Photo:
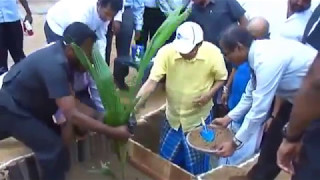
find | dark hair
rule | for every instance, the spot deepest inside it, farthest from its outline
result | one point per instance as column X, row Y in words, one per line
column 234, row 35
column 115, row 5
column 78, row 32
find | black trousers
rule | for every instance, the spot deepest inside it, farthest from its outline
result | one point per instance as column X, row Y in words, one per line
column 123, row 44
column 11, row 39
column 308, row 167
column 52, row 155
column 152, row 20
column 266, row 167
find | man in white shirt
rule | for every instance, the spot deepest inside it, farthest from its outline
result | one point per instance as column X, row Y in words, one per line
column 96, row 14
column 278, row 68
column 287, row 18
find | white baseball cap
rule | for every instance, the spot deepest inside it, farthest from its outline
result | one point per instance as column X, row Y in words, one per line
column 188, row 35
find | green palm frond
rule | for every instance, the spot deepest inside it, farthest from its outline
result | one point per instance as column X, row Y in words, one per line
column 118, row 113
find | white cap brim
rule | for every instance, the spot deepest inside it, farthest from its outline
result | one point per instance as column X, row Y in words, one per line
column 183, row 47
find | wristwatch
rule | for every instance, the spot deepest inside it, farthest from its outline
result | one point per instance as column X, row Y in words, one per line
column 291, row 139
column 237, row 142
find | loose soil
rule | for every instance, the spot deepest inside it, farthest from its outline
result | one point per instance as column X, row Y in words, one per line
column 221, row 135
column 86, row 170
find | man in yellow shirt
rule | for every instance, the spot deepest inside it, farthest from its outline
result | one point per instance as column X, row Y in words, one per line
column 194, row 71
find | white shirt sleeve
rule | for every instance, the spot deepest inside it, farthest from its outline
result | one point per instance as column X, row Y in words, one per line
column 268, row 75
column 102, row 40
column 244, row 104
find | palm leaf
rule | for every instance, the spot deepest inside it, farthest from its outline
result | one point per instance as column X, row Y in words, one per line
column 119, row 113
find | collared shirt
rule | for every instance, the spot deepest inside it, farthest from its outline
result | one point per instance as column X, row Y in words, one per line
column 216, row 17
column 9, row 11
column 279, row 66
column 168, row 6
column 64, row 13
column 186, row 80
column 292, row 27
column 275, row 12
column 44, row 74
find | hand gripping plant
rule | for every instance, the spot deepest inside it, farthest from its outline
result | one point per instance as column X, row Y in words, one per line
column 118, row 113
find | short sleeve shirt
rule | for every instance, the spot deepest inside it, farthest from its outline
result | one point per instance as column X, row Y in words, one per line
column 216, row 17
column 32, row 85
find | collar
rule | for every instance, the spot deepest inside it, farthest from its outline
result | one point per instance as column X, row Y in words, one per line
column 199, row 56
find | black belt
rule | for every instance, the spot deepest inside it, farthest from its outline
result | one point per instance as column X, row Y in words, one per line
column 127, row 7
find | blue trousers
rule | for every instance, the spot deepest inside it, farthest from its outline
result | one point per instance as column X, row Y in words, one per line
column 42, row 139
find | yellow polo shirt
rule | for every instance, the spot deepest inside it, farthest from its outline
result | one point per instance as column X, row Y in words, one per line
column 186, row 80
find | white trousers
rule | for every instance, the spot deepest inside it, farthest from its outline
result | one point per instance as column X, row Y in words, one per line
column 248, row 149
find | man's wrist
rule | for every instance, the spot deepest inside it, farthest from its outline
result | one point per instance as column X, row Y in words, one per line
column 289, row 136
column 225, row 90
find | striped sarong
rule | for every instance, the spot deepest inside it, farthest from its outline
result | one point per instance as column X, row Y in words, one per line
column 174, row 147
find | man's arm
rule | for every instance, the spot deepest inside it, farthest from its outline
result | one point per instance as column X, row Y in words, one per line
column 237, row 12
column 67, row 105
column 268, row 77
column 144, row 93
column 158, row 71
column 307, row 102
column 244, row 104
column 25, row 5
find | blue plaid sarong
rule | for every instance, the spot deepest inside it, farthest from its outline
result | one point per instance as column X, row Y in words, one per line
column 174, row 147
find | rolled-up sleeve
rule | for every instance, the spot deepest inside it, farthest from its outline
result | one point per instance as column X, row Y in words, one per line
column 236, row 9
column 268, row 76
column 138, row 11
column 219, row 69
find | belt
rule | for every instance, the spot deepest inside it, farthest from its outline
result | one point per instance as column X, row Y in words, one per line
column 127, row 7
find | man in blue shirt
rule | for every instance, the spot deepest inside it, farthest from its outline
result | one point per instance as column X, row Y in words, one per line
column 11, row 34
column 35, row 88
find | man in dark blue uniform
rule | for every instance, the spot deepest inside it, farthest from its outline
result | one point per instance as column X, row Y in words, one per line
column 34, row 89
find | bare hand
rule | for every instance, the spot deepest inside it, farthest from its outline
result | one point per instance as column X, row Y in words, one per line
column 122, row 133
column 224, row 99
column 116, row 26
column 222, row 122
column 28, row 18
column 287, row 154
column 267, row 124
column 225, row 149
column 137, row 35
column 202, row 100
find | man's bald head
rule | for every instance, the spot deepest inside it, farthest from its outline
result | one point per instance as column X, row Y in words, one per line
column 258, row 27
